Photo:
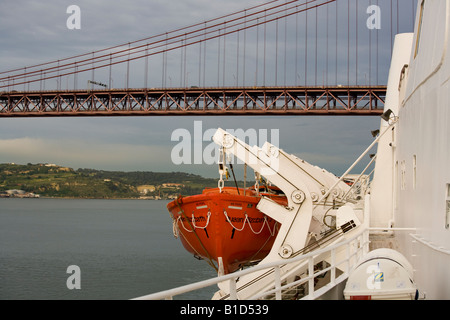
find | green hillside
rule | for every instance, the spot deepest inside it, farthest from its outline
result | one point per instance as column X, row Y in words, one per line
column 50, row 180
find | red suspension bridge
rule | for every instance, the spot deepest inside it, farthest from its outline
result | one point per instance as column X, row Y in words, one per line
column 281, row 57
column 198, row 101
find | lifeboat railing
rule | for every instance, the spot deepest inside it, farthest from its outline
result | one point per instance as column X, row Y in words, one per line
column 336, row 272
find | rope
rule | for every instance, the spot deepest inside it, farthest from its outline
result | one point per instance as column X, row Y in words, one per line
column 192, row 224
column 272, row 232
column 246, row 220
column 209, row 261
column 175, row 228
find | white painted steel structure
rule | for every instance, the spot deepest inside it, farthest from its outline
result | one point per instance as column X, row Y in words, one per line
column 354, row 248
column 407, row 205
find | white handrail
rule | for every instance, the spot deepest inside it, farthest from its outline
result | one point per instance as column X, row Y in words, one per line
column 429, row 244
column 360, row 236
column 324, row 196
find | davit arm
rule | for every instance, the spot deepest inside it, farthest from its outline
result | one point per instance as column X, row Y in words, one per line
column 301, row 182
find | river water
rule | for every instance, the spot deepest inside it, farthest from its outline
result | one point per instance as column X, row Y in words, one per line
column 123, row 248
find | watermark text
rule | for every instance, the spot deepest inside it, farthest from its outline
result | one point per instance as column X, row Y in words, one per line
column 74, row 280
column 374, row 20
column 197, row 147
column 74, row 20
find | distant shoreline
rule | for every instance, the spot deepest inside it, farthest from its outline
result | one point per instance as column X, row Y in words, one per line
column 54, row 181
column 75, row 198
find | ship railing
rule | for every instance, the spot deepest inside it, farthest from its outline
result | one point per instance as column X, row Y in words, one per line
column 320, row 276
column 305, row 288
column 429, row 244
column 355, row 246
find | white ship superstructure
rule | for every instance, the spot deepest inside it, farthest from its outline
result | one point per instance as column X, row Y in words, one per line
column 420, row 149
column 386, row 240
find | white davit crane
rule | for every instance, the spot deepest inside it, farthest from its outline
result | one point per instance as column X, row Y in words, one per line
column 321, row 210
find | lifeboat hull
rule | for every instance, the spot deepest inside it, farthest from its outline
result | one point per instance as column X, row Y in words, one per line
column 224, row 228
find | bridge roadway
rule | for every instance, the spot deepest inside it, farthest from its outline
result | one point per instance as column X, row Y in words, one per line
column 336, row 100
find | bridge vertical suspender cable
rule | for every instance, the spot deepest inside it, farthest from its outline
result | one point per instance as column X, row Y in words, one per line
column 255, row 34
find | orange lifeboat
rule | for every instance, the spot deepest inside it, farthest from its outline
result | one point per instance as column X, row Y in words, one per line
column 225, row 228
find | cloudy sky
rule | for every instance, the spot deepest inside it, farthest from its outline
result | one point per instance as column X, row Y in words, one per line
column 33, row 32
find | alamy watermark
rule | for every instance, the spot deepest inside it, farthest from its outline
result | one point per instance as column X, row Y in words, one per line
column 74, row 20
column 74, row 280
column 374, row 20
column 197, row 147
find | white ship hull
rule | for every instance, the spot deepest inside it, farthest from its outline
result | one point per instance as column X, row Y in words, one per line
column 406, row 210
column 413, row 189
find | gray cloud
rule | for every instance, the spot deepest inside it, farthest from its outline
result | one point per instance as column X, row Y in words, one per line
column 35, row 32
column 144, row 143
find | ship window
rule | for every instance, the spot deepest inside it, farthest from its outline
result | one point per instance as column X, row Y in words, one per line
column 447, row 208
column 419, row 28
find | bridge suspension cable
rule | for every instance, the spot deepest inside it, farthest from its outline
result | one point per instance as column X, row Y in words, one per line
column 277, row 44
column 162, row 43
